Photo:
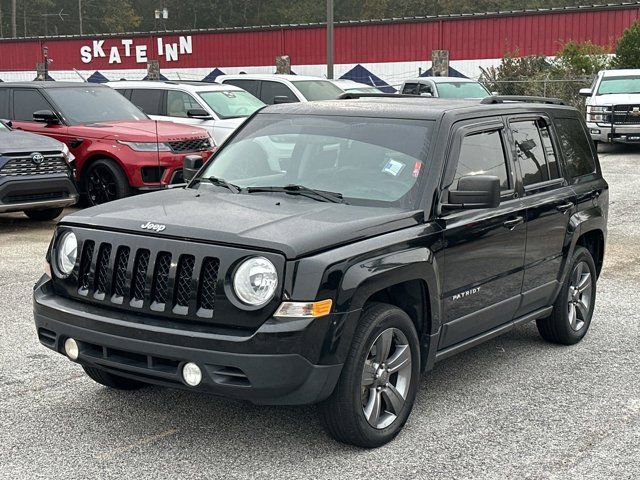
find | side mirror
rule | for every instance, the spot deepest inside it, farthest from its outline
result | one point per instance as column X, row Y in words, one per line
column 190, row 166
column 278, row 99
column 585, row 92
column 199, row 113
column 45, row 116
column 475, row 191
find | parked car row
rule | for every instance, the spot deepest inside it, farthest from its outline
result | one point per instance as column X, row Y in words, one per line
column 137, row 140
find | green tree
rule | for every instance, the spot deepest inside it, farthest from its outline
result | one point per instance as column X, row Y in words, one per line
column 628, row 48
column 580, row 60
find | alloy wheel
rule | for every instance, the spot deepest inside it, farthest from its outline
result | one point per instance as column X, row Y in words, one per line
column 579, row 296
column 101, row 185
column 386, row 378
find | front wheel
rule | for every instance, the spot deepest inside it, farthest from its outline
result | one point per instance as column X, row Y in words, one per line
column 379, row 380
column 571, row 316
column 104, row 182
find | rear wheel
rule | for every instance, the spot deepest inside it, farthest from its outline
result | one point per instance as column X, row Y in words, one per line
column 44, row 214
column 112, row 381
column 104, row 182
column 379, row 380
column 572, row 312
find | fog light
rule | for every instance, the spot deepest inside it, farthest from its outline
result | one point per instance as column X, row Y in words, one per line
column 595, row 131
column 71, row 348
column 192, row 374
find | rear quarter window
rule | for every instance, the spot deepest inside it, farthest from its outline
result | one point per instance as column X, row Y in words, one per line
column 576, row 147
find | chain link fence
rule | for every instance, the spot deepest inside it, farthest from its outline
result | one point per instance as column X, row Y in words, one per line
column 564, row 89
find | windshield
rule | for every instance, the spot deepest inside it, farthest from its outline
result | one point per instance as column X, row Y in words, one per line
column 370, row 161
column 231, row 103
column 318, row 89
column 94, row 104
column 461, row 90
column 626, row 84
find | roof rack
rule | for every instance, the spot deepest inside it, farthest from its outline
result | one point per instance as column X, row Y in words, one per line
column 351, row 96
column 493, row 99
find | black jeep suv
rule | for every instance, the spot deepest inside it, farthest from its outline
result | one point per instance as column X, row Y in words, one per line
column 36, row 174
column 329, row 252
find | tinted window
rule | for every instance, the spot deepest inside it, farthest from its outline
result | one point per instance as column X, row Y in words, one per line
column 483, row 154
column 27, row 101
column 250, row 86
column 4, row 103
column 575, row 146
column 369, row 160
column 530, row 152
column 410, row 89
column 178, row 103
column 270, row 90
column 147, row 100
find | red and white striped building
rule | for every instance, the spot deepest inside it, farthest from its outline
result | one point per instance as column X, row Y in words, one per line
column 390, row 50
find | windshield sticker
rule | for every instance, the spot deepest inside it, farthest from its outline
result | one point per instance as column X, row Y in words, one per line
column 393, row 167
column 229, row 94
column 416, row 169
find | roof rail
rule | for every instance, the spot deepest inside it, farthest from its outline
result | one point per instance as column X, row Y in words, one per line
column 353, row 95
column 493, row 99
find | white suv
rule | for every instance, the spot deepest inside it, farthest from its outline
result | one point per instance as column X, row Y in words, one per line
column 272, row 88
column 219, row 109
column 613, row 106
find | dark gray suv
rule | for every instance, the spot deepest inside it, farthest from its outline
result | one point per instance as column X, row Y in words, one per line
column 36, row 174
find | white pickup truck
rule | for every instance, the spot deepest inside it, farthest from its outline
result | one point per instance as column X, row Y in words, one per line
column 613, row 106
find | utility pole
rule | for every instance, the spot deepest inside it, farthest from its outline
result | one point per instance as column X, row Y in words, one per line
column 14, row 27
column 80, row 14
column 24, row 19
column 330, row 39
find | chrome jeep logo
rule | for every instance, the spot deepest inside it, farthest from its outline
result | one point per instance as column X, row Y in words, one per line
column 37, row 158
column 156, row 227
column 460, row 295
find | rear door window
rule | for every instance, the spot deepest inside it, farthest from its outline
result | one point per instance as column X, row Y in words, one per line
column 250, row 86
column 576, row 148
column 147, row 100
column 26, row 101
column 530, row 152
column 4, row 103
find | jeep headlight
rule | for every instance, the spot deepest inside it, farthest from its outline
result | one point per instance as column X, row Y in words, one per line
column 255, row 281
column 67, row 253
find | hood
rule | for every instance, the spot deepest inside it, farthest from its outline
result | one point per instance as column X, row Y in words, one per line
column 293, row 225
column 615, row 99
column 13, row 141
column 139, row 131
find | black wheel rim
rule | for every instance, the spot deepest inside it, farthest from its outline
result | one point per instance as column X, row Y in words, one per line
column 101, row 185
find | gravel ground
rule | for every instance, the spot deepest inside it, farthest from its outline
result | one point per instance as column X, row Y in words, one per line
column 514, row 407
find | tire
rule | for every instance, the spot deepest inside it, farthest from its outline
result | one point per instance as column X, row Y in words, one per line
column 43, row 215
column 104, row 182
column 571, row 316
column 112, row 381
column 343, row 413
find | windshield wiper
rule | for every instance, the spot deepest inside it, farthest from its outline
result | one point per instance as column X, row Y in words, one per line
column 220, row 182
column 320, row 195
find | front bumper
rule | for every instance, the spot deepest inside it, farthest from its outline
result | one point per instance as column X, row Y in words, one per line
column 27, row 193
column 266, row 367
column 628, row 134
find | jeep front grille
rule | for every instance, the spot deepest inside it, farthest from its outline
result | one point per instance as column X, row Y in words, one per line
column 23, row 166
column 186, row 146
column 176, row 285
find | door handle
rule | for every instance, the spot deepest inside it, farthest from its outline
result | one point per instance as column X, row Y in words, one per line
column 564, row 207
column 511, row 223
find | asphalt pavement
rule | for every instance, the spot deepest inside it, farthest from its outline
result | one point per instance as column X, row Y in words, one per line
column 515, row 407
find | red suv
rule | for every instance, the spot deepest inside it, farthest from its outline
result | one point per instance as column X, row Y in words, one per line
column 118, row 149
